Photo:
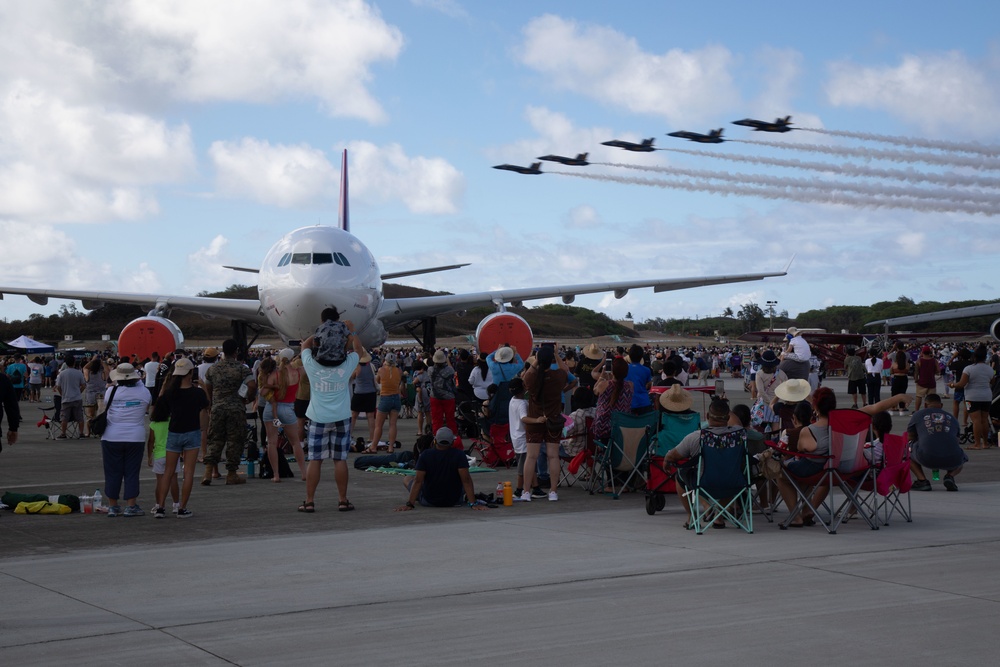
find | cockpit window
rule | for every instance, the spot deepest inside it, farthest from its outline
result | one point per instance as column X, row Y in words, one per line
column 301, row 258
column 284, row 259
column 314, row 258
column 341, row 259
column 322, row 258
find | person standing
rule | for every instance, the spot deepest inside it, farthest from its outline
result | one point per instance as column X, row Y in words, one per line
column 149, row 371
column 124, row 439
column 18, row 374
column 8, row 399
column 93, row 396
column 365, row 396
column 975, row 381
column 854, row 369
column 36, row 374
column 70, row 386
column 900, row 374
column 390, row 383
column 329, row 414
column 544, row 424
column 227, row 424
column 642, row 379
column 443, row 391
column 873, row 376
column 187, row 405
column 925, row 372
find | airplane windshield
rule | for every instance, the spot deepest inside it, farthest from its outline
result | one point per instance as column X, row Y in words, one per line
column 313, row 258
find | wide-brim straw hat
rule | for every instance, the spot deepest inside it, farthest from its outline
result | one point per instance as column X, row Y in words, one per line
column 504, row 355
column 676, row 399
column 440, row 357
column 793, row 391
column 592, row 352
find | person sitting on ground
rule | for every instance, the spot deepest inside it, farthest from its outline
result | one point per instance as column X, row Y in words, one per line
column 442, row 477
column 933, row 436
column 690, row 447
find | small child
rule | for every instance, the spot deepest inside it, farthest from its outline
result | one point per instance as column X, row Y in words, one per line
column 332, row 337
column 517, row 411
column 156, row 452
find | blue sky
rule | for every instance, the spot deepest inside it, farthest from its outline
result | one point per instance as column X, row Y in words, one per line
column 144, row 145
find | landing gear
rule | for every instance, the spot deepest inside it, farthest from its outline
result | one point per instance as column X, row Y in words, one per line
column 427, row 338
column 240, row 329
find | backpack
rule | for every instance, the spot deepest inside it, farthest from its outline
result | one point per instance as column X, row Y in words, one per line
column 701, row 364
column 284, row 470
column 500, row 402
column 16, row 378
column 331, row 343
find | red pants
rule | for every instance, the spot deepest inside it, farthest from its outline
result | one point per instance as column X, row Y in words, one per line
column 443, row 414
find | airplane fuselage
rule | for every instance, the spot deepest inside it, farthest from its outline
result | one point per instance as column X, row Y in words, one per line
column 313, row 268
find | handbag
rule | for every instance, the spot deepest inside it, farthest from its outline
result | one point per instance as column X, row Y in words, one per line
column 99, row 424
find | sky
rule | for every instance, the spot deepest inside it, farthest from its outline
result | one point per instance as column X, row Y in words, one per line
column 145, row 145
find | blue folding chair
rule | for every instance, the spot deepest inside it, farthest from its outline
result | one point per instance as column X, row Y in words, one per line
column 721, row 489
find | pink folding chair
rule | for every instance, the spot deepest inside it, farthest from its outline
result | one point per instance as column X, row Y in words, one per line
column 893, row 480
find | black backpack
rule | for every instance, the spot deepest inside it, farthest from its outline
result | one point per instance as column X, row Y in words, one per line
column 266, row 472
column 16, row 378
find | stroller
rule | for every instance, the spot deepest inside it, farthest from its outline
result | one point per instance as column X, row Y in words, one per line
column 490, row 444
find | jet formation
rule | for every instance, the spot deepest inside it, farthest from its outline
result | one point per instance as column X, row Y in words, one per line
column 535, row 168
column 645, row 147
column 579, row 161
column 713, row 137
column 779, row 124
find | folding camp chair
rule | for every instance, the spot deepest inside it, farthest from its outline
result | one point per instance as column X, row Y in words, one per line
column 577, row 439
column 845, row 467
column 893, row 481
column 721, row 488
column 673, row 426
column 620, row 460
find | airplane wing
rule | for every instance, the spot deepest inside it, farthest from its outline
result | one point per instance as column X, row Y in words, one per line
column 241, row 309
column 397, row 311
column 938, row 315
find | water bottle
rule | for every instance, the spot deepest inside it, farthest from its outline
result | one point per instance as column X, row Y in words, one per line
column 499, row 493
column 936, row 474
column 98, row 501
column 508, row 494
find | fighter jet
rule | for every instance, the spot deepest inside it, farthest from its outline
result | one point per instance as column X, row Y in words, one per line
column 535, row 168
column 713, row 137
column 578, row 161
column 779, row 124
column 645, row 147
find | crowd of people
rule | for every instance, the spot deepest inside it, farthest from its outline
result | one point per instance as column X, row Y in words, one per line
column 191, row 407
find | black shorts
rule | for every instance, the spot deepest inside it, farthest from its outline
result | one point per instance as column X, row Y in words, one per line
column 977, row 406
column 855, row 387
column 364, row 403
column 300, row 407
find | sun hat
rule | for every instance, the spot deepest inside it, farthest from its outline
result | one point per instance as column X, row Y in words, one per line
column 793, row 330
column 793, row 391
column 593, row 352
column 365, row 358
column 183, row 366
column 769, row 358
column 440, row 357
column 503, row 355
column 444, row 436
column 124, row 371
column 287, row 354
column 676, row 399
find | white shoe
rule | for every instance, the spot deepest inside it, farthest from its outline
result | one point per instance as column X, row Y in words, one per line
column 526, row 496
column 553, row 496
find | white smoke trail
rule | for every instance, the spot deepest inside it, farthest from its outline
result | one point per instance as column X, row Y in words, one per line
column 981, row 164
column 914, row 142
column 849, row 169
column 874, row 189
column 795, row 194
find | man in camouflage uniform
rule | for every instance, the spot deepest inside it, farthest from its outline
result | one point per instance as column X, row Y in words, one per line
column 227, row 420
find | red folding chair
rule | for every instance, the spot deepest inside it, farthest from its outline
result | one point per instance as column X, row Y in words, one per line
column 893, row 480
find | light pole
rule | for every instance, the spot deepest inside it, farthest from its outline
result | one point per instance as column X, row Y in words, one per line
column 770, row 310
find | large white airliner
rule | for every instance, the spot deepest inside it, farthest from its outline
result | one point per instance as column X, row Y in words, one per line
column 313, row 268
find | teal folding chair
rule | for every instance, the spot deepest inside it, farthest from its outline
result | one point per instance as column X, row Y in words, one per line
column 622, row 458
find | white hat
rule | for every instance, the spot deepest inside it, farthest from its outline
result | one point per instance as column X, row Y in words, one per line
column 793, row 330
column 124, row 372
column 504, row 355
column 183, row 366
column 287, row 354
column 793, row 391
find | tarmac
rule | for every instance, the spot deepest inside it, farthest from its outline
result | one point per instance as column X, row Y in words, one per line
column 586, row 580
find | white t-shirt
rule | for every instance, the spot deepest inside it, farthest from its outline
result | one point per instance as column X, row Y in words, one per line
column 150, row 371
column 518, row 408
column 800, row 349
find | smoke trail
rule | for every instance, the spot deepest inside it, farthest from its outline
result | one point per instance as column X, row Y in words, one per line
column 874, row 189
column 914, row 142
column 981, row 164
column 795, row 194
column 849, row 169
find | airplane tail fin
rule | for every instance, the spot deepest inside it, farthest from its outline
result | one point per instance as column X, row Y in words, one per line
column 344, row 220
column 717, row 133
column 536, row 165
column 648, row 142
column 786, row 120
column 582, row 156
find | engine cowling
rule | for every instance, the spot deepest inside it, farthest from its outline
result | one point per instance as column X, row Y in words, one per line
column 505, row 328
column 144, row 335
column 995, row 330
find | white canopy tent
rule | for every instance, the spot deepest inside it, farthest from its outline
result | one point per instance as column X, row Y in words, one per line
column 31, row 345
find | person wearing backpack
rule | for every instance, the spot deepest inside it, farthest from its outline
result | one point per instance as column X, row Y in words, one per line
column 17, row 371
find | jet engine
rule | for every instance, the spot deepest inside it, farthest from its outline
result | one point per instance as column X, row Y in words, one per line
column 497, row 329
column 994, row 330
column 144, row 335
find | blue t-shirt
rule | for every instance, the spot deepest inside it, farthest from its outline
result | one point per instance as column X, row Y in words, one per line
column 329, row 386
column 640, row 376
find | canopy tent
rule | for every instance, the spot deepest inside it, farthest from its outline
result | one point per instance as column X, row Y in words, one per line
column 30, row 345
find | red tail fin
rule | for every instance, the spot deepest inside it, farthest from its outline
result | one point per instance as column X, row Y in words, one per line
column 344, row 220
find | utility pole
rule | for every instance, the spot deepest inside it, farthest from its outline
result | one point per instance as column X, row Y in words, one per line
column 770, row 310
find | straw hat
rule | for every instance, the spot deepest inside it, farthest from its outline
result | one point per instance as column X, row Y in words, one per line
column 793, row 330
column 503, row 355
column 440, row 357
column 593, row 352
column 365, row 358
column 793, row 391
column 676, row 399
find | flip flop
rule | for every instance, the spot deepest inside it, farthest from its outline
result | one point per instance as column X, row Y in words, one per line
column 344, row 506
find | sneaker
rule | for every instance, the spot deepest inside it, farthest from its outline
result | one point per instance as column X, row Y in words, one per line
column 922, row 485
column 538, row 493
column 526, row 496
column 114, row 510
column 176, row 507
column 159, row 512
column 183, row 513
column 553, row 496
column 133, row 510
column 949, row 483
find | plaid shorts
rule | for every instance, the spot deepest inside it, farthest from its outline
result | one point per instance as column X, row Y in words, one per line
column 328, row 441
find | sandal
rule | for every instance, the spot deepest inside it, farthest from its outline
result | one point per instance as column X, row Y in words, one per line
column 307, row 507
column 344, row 506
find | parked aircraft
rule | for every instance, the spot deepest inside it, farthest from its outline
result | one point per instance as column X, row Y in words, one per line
column 951, row 314
column 713, row 137
column 312, row 268
column 645, row 147
column 578, row 161
column 779, row 124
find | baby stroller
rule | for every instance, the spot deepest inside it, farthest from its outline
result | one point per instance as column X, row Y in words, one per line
column 490, row 444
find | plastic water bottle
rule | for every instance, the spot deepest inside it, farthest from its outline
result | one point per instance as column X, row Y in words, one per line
column 499, row 493
column 98, row 501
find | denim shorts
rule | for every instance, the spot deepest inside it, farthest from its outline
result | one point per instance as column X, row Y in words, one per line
column 181, row 442
column 389, row 403
column 286, row 413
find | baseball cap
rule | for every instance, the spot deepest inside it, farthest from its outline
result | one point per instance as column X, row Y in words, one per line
column 926, row 349
column 444, row 436
column 183, row 366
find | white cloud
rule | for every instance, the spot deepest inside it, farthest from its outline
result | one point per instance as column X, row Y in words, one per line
column 424, row 185
column 205, row 267
column 607, row 65
column 274, row 174
column 912, row 244
column 583, row 216
column 935, row 92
